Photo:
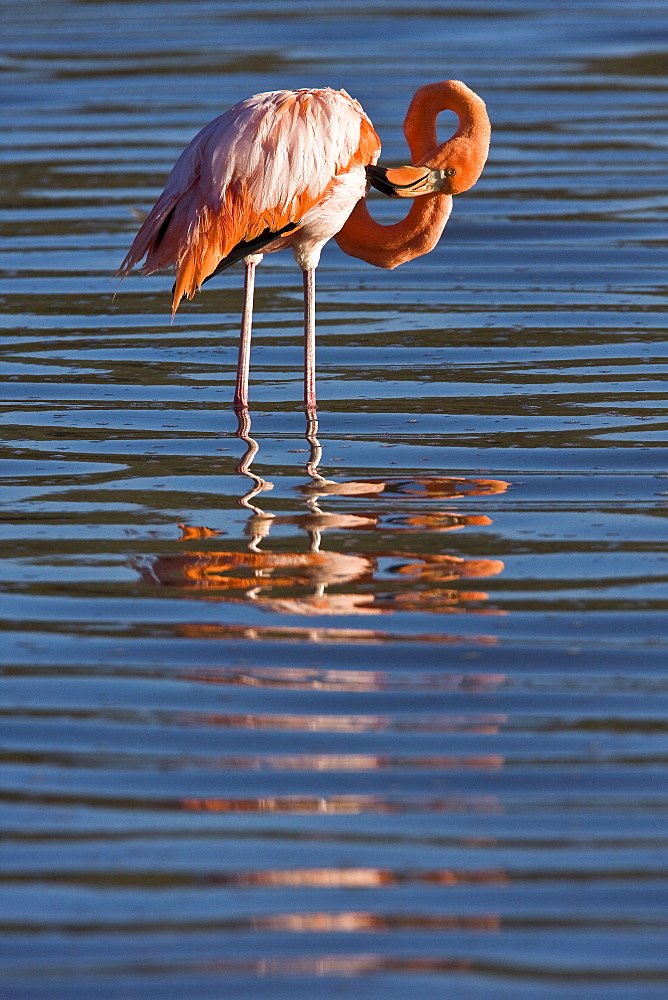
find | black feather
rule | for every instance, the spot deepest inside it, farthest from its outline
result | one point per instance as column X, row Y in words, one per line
column 164, row 226
column 247, row 247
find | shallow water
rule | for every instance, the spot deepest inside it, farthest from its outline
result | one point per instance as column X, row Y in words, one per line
column 377, row 705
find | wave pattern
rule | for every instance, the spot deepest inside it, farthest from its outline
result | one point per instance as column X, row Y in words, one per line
column 377, row 704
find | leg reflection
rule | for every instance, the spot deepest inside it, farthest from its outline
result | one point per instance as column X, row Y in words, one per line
column 260, row 522
column 405, row 567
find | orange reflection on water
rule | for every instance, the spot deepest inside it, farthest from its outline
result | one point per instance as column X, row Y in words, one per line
column 297, row 678
column 486, row 723
column 342, row 965
column 444, row 567
column 196, row 630
column 432, row 487
column 256, row 576
column 255, row 570
column 446, row 521
column 312, row 679
column 370, row 762
column 357, row 878
column 318, row 923
column 314, row 580
column 356, row 762
column 315, row 635
column 308, row 723
column 346, row 805
column 325, row 762
column 353, row 921
column 342, row 805
column 325, row 604
column 188, row 532
column 453, row 487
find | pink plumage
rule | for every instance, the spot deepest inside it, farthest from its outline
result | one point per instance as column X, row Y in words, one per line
column 276, row 170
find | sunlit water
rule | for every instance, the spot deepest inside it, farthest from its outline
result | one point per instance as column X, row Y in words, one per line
column 377, row 707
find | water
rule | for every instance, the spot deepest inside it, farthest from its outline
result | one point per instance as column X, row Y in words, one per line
column 376, row 708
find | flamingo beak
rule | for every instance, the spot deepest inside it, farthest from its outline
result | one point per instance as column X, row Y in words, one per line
column 407, row 182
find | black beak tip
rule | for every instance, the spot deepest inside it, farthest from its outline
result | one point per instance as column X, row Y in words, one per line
column 377, row 177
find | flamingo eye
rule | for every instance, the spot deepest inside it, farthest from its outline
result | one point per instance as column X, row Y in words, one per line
column 450, row 172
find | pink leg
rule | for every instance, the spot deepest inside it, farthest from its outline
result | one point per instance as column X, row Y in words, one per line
column 309, row 342
column 243, row 364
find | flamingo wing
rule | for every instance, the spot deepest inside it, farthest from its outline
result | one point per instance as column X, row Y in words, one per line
column 248, row 178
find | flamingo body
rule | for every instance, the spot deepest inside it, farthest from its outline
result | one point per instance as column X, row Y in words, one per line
column 282, row 169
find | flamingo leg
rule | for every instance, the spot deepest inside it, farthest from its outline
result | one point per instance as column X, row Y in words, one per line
column 309, row 342
column 243, row 364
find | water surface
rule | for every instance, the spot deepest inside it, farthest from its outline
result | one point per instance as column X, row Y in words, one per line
column 377, row 706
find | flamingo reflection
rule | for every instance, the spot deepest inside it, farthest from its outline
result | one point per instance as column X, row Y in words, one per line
column 347, row 805
column 355, row 878
column 366, row 964
column 376, row 579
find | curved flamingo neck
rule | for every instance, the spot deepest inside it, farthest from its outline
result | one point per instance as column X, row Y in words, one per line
column 427, row 104
column 389, row 246
column 420, row 231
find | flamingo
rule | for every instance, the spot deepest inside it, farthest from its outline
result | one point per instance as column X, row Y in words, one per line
column 291, row 168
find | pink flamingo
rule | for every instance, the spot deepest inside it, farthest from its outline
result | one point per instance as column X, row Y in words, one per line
column 290, row 169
